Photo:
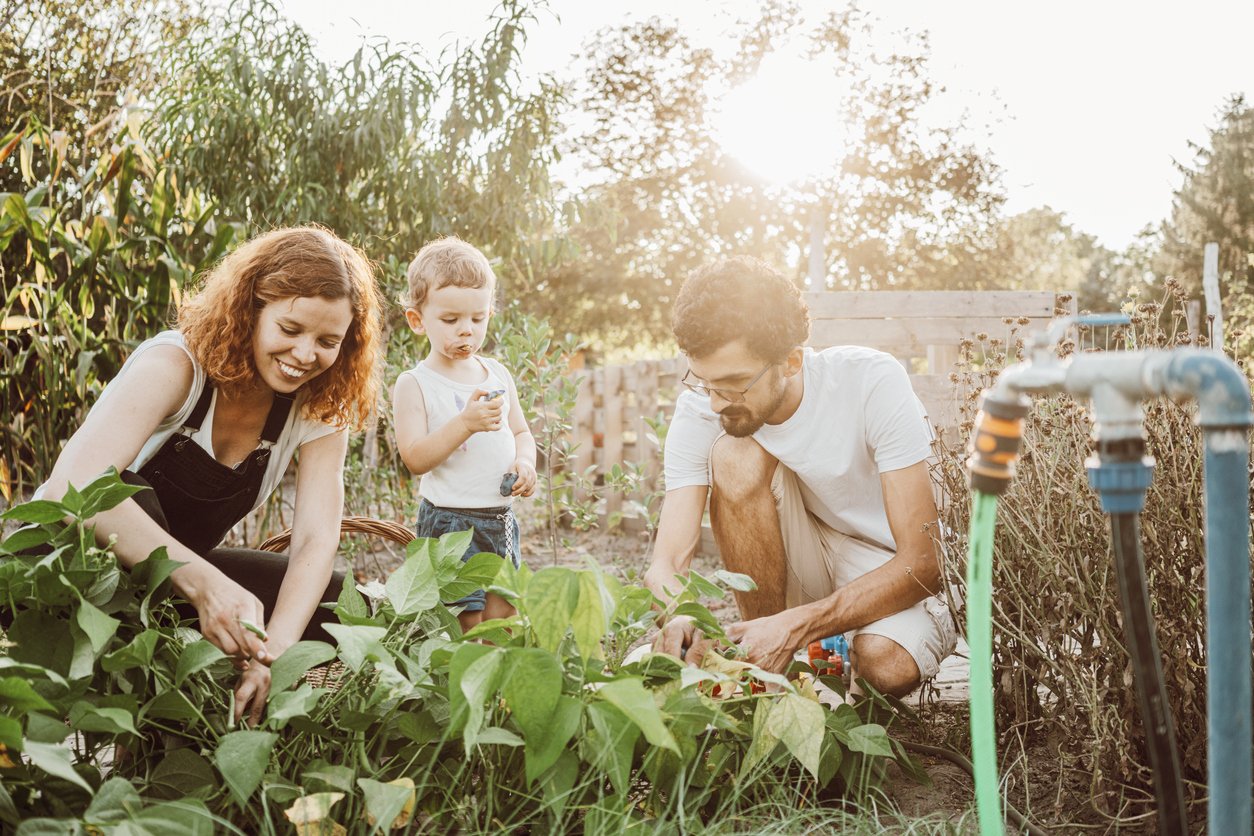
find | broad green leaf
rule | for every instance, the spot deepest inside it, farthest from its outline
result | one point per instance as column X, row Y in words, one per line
column 181, row 773
column 870, row 739
column 476, row 573
column 196, row 657
column 295, row 662
column 612, row 744
column 630, row 697
column 184, row 817
column 358, row 642
column 320, row 775
column 391, row 804
column 41, row 638
column 764, row 740
column 531, row 691
column 116, row 800
column 463, row 657
column 19, row 697
column 413, row 587
column 497, row 736
column 55, row 760
column 798, row 722
column 735, row 580
column 478, row 683
column 26, row 538
column 38, row 511
column 241, row 758
column 86, row 717
column 446, row 554
column 288, row 704
column 171, row 704
column 558, row 782
column 137, row 654
column 549, row 602
column 591, row 618
column 10, row 733
column 351, row 601
column 106, row 491
column 46, row 729
column 562, row 727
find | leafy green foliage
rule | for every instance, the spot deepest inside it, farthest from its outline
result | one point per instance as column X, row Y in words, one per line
column 534, row 730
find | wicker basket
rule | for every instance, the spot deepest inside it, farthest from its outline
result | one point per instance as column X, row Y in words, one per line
column 349, row 525
column 332, row 675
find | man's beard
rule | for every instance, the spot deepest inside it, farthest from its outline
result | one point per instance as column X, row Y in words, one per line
column 741, row 422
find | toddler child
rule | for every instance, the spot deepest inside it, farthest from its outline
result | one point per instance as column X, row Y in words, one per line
column 457, row 418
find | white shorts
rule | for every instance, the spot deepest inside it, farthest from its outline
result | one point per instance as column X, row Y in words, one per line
column 822, row 559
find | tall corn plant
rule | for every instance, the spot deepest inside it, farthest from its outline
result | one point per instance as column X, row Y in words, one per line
column 95, row 254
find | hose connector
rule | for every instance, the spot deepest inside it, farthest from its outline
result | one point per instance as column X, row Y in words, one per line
column 995, row 443
column 1121, row 484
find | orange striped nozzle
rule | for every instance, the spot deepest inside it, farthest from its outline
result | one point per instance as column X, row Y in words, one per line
column 995, row 443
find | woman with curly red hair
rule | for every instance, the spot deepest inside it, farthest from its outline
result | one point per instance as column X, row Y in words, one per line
column 277, row 353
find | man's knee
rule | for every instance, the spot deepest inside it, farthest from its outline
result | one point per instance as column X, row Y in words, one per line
column 886, row 665
column 740, row 469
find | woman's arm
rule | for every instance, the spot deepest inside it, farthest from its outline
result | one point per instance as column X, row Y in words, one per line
column 315, row 539
column 524, row 446
column 154, row 387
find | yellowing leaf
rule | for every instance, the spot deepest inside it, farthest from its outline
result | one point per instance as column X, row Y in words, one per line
column 407, row 811
column 309, row 812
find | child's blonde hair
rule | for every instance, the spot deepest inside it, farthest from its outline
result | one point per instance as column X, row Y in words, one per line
column 446, row 262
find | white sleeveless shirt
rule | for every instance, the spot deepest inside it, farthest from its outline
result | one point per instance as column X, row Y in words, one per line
column 471, row 476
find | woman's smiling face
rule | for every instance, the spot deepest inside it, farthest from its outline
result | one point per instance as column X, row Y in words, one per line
column 298, row 338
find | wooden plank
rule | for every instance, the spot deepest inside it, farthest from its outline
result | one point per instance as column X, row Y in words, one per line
column 880, row 304
column 582, row 429
column 914, row 334
column 941, row 359
column 940, row 398
column 612, row 441
column 647, row 453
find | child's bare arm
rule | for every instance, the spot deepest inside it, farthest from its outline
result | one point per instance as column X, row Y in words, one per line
column 422, row 450
column 524, row 446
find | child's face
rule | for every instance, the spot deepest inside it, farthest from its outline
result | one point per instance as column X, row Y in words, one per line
column 455, row 319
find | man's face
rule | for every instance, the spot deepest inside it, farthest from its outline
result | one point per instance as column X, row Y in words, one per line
column 727, row 372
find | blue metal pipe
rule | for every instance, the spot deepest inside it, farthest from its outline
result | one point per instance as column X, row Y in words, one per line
column 1224, row 413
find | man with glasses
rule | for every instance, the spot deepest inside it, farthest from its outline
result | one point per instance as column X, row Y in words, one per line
column 815, row 468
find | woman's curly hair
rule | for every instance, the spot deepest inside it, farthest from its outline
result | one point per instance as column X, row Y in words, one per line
column 740, row 298
column 218, row 322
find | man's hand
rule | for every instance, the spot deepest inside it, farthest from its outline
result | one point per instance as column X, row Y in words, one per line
column 250, row 693
column 681, row 638
column 769, row 642
column 482, row 415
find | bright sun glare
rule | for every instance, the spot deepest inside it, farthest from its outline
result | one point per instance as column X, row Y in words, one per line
column 786, row 123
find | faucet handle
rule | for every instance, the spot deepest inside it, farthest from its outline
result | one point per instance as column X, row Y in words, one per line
column 1052, row 336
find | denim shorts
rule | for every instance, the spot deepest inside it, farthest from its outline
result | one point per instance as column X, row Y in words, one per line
column 495, row 530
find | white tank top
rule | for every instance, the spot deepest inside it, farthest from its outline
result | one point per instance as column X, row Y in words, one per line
column 471, row 476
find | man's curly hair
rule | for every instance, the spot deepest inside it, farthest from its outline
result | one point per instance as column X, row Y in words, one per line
column 219, row 321
column 740, row 298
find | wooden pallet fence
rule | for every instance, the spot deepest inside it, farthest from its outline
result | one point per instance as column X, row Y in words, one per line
column 609, row 420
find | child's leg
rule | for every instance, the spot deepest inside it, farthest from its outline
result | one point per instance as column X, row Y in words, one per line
column 497, row 607
column 471, row 618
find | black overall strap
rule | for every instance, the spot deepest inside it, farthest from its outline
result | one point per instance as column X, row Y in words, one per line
column 277, row 418
column 202, row 406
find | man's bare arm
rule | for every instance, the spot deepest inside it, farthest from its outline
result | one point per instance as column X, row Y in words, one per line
column 678, row 535
column 912, row 574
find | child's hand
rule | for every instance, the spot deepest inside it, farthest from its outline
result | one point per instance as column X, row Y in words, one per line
column 526, row 484
column 482, row 415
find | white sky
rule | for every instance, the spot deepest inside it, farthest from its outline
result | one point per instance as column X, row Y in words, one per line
column 1086, row 103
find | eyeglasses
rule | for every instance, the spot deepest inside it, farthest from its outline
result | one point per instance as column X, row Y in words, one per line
column 729, row 395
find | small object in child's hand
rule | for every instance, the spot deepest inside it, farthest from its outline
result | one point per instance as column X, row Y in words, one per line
column 253, row 628
column 494, row 394
column 507, row 483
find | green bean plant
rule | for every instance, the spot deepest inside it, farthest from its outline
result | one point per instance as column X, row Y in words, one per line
column 115, row 715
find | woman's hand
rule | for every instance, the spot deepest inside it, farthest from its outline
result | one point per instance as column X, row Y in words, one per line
column 526, row 484
column 250, row 693
column 220, row 605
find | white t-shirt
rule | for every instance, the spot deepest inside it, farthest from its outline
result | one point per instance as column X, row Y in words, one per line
column 471, row 476
column 858, row 418
column 298, row 430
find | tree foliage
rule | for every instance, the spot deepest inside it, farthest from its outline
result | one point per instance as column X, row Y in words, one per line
column 668, row 197
column 1215, row 203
